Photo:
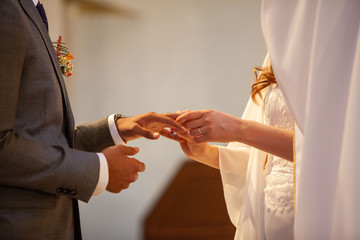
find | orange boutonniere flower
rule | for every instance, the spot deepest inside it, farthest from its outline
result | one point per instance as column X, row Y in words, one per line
column 64, row 57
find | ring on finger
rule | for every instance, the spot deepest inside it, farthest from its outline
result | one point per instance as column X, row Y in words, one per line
column 199, row 130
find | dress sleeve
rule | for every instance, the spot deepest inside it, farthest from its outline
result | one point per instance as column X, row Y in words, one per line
column 233, row 161
column 241, row 174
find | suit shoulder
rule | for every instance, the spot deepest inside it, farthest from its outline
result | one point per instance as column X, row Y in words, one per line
column 12, row 23
column 12, row 15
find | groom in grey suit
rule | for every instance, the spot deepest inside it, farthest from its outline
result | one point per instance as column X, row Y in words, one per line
column 46, row 164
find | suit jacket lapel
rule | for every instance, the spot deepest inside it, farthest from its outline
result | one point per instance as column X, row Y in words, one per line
column 30, row 9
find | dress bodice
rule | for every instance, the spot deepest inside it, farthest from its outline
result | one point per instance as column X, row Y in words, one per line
column 275, row 109
column 278, row 173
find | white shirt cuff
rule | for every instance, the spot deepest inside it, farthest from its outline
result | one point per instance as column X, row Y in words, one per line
column 114, row 132
column 103, row 175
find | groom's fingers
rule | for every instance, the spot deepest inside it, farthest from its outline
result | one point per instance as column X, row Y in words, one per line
column 171, row 135
column 126, row 150
column 155, row 135
column 167, row 121
column 172, row 115
column 139, row 130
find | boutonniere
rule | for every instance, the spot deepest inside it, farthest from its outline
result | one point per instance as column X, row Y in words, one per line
column 64, row 57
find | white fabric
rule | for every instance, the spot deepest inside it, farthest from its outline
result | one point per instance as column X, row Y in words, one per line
column 244, row 180
column 259, row 202
column 241, row 168
column 314, row 47
column 114, row 132
column 279, row 173
column 35, row 2
column 103, row 175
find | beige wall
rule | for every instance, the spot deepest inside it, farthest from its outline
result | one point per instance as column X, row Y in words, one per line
column 137, row 56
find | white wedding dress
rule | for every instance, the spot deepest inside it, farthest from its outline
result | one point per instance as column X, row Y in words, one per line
column 278, row 173
column 259, row 187
column 315, row 52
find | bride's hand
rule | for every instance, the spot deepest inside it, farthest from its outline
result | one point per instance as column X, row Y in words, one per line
column 193, row 150
column 201, row 152
column 170, row 132
column 211, row 126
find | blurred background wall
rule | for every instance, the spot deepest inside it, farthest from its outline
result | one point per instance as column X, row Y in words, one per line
column 137, row 56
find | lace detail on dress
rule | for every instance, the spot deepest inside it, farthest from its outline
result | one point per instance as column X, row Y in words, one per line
column 279, row 182
column 275, row 109
column 279, row 188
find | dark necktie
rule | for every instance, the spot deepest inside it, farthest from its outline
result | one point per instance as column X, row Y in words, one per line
column 42, row 13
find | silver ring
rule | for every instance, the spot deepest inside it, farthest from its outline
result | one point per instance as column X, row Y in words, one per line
column 199, row 131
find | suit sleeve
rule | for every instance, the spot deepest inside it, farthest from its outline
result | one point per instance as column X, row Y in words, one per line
column 94, row 136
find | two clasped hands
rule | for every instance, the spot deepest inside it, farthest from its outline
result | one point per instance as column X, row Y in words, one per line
column 192, row 129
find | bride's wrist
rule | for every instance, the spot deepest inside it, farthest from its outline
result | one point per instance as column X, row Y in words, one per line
column 241, row 130
column 210, row 156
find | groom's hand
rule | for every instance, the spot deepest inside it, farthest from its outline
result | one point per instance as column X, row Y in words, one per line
column 123, row 169
column 149, row 125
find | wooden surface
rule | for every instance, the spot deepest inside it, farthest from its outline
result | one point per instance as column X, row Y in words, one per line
column 191, row 208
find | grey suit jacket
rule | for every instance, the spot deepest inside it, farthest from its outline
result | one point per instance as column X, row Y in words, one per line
column 42, row 169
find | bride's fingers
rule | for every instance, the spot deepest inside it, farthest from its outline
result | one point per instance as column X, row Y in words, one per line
column 201, row 139
column 185, row 136
column 191, row 115
column 192, row 124
column 182, row 111
column 199, row 131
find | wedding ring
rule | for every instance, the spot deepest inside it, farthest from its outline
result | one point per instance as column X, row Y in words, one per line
column 199, row 130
